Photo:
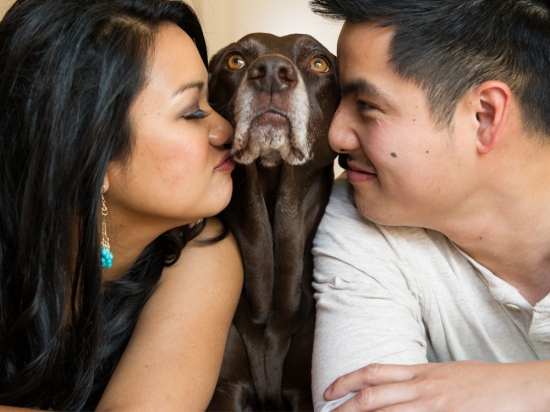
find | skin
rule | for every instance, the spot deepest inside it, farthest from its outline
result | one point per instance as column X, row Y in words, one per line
column 173, row 177
column 483, row 182
column 174, row 356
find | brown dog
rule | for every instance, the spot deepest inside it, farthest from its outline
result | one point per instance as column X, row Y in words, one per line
column 280, row 94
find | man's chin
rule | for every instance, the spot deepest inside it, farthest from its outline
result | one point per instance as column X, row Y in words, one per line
column 375, row 211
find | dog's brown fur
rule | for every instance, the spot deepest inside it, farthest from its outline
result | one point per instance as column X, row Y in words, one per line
column 280, row 193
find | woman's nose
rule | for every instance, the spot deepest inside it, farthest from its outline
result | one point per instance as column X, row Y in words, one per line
column 342, row 135
column 221, row 131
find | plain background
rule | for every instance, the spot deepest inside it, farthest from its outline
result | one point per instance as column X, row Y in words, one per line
column 225, row 21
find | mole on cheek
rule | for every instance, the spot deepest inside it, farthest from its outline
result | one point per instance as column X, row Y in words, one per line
column 393, row 155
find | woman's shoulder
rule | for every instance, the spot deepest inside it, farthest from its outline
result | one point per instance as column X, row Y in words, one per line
column 177, row 346
column 215, row 260
column 211, row 242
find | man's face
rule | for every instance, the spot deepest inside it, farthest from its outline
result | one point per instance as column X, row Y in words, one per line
column 405, row 169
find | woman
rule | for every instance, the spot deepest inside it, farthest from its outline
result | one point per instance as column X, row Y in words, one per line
column 108, row 143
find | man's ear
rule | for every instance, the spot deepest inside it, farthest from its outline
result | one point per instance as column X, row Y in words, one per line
column 491, row 102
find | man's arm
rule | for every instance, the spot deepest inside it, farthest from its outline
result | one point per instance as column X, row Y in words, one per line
column 449, row 386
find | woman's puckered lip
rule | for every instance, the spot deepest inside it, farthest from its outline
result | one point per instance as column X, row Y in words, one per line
column 226, row 156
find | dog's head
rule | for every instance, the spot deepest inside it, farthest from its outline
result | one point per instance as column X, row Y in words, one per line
column 280, row 94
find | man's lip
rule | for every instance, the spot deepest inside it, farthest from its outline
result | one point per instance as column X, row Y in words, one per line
column 357, row 167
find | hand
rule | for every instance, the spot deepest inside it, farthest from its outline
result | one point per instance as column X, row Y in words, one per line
column 450, row 386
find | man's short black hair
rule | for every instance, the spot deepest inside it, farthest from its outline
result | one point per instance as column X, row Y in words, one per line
column 448, row 47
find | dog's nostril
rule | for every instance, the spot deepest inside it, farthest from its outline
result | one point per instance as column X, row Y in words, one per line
column 287, row 74
column 256, row 72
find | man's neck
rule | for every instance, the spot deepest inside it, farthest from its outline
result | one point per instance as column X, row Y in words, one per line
column 520, row 258
column 507, row 227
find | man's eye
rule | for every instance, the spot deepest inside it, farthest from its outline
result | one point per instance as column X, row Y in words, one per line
column 364, row 106
column 199, row 114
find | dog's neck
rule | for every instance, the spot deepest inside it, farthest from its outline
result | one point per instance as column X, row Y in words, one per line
column 273, row 178
column 269, row 178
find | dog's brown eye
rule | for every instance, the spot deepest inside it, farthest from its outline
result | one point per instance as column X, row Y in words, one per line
column 319, row 65
column 235, row 62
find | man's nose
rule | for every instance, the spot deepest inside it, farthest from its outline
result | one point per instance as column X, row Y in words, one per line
column 342, row 135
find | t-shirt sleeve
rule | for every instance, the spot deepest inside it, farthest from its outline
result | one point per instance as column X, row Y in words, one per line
column 368, row 301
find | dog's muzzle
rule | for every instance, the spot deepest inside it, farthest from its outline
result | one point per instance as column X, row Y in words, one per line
column 272, row 114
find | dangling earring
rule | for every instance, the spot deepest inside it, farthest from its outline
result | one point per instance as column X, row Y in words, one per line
column 106, row 255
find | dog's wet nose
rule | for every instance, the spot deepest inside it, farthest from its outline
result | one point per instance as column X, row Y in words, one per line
column 272, row 73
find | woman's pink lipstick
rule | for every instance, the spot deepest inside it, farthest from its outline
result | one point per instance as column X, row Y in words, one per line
column 226, row 164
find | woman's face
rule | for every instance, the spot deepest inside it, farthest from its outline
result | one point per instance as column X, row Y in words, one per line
column 179, row 170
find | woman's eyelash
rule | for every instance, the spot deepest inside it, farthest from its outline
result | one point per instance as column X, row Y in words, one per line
column 199, row 114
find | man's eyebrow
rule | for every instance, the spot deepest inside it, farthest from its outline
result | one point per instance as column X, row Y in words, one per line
column 199, row 85
column 360, row 86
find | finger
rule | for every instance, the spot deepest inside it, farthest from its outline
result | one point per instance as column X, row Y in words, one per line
column 371, row 375
column 392, row 397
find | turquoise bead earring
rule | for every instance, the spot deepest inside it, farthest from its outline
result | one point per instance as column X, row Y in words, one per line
column 106, row 255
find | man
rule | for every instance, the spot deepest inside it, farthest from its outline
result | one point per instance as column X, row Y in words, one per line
column 437, row 247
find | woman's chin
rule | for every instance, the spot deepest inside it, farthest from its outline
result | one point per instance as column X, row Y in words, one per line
column 226, row 196
column 221, row 200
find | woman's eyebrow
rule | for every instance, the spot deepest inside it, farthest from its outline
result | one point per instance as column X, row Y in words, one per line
column 199, row 85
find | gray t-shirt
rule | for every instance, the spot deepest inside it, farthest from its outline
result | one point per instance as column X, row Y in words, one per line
column 409, row 295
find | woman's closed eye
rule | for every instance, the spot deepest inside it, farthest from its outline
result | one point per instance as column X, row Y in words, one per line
column 199, row 114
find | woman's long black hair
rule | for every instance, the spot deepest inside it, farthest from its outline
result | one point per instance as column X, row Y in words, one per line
column 69, row 70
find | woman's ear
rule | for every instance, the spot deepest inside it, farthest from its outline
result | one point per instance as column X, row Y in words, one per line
column 492, row 102
column 105, row 186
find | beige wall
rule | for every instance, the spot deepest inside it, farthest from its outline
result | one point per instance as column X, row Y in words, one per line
column 4, row 6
